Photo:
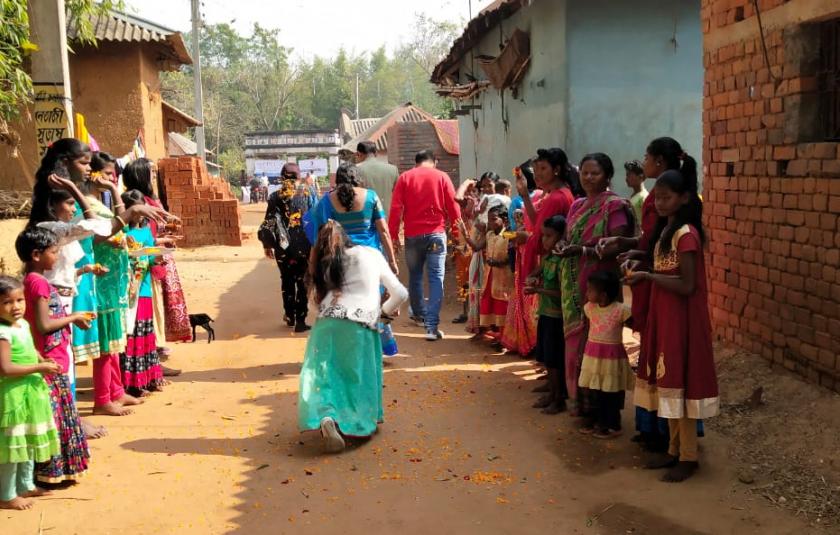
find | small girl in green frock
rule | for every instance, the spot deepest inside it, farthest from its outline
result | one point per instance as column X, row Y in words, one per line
column 27, row 429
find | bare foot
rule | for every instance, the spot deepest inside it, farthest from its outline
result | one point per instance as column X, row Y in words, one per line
column 93, row 431
column 682, row 471
column 17, row 504
column 127, row 400
column 112, row 409
column 36, row 493
column 660, row 462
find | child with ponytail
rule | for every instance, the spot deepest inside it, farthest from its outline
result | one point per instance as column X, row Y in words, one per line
column 676, row 372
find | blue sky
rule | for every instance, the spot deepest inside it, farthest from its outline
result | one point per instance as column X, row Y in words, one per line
column 313, row 27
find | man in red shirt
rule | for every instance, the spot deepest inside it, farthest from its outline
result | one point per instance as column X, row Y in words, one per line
column 424, row 201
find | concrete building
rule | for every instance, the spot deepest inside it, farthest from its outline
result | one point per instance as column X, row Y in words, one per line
column 116, row 86
column 594, row 75
column 771, row 125
column 264, row 148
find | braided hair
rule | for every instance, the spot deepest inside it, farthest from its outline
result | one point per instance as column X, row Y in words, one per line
column 346, row 182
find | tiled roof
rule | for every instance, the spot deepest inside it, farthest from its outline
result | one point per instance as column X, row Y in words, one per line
column 357, row 126
column 122, row 27
column 377, row 130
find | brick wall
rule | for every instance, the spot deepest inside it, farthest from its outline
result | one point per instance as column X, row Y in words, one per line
column 208, row 210
column 772, row 189
column 405, row 140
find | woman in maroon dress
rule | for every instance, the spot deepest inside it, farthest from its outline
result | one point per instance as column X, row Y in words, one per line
column 676, row 373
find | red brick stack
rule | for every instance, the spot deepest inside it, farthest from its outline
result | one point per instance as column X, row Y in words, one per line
column 208, row 210
column 772, row 187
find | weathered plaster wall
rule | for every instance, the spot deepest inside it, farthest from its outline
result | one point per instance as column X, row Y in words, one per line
column 106, row 90
column 629, row 82
column 507, row 130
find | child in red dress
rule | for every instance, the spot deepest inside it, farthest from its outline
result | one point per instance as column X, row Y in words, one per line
column 676, row 374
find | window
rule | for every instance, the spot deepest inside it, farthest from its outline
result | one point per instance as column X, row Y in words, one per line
column 828, row 77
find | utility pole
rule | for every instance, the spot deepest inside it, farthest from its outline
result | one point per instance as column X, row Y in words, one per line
column 357, row 95
column 53, row 110
column 199, row 97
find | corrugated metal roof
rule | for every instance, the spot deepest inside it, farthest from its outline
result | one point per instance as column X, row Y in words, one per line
column 122, row 27
column 186, row 145
column 377, row 132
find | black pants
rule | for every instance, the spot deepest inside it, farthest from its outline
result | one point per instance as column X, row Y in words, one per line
column 293, row 283
column 601, row 409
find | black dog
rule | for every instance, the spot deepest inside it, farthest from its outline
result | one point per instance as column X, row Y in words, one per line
column 203, row 321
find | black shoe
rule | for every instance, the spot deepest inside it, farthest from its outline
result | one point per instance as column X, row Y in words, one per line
column 289, row 321
column 301, row 327
column 460, row 319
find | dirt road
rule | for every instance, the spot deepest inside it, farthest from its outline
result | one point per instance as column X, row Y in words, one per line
column 461, row 450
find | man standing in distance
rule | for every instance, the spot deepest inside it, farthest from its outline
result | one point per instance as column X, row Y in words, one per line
column 376, row 174
column 424, row 200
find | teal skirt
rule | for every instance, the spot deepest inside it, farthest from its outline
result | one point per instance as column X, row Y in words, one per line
column 85, row 343
column 341, row 378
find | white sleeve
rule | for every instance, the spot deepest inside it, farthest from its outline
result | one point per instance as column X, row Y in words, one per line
column 397, row 294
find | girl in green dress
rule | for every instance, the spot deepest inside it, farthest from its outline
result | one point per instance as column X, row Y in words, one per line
column 27, row 429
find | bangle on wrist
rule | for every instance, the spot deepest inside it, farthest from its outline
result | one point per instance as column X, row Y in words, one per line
column 121, row 220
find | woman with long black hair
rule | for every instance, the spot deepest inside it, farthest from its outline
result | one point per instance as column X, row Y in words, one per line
column 341, row 378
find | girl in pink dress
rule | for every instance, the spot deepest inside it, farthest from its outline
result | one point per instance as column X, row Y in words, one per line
column 605, row 372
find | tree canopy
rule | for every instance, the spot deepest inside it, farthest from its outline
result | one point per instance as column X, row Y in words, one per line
column 251, row 83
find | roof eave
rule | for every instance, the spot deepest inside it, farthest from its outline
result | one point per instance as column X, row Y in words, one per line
column 189, row 119
column 476, row 29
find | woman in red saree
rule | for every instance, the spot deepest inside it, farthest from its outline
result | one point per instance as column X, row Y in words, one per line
column 554, row 175
column 600, row 214
column 174, row 319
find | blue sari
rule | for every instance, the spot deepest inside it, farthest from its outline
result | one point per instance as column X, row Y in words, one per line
column 360, row 227
column 85, row 343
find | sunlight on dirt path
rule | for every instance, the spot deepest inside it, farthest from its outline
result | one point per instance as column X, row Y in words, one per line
column 460, row 451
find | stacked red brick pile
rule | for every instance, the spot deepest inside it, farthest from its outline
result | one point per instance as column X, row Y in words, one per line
column 208, row 210
column 772, row 186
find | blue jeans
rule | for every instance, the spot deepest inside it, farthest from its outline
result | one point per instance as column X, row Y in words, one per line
column 427, row 251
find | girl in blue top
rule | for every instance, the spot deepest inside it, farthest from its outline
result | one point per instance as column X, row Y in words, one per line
column 140, row 363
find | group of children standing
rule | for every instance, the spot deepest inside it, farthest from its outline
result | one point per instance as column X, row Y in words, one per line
column 550, row 287
column 86, row 294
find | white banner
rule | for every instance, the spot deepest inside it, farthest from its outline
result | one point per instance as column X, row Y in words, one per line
column 268, row 167
column 316, row 167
